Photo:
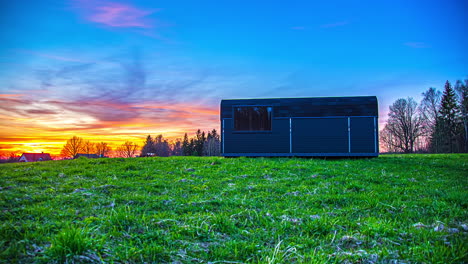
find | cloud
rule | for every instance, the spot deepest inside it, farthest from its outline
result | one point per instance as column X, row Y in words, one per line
column 49, row 56
column 336, row 24
column 113, row 14
column 116, row 98
column 298, row 28
column 11, row 95
column 41, row 112
column 417, row 45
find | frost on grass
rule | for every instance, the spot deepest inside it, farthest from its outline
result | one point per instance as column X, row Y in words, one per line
column 419, row 225
column 285, row 218
column 279, row 255
column 349, row 242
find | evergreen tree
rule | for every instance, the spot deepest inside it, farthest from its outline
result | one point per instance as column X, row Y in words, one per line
column 177, row 149
column 161, row 146
column 148, row 147
column 448, row 120
column 192, row 149
column 186, row 151
column 199, row 141
column 462, row 90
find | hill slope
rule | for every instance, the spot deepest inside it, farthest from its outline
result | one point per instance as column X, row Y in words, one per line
column 400, row 208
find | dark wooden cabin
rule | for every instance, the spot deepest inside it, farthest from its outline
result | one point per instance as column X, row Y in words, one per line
column 316, row 126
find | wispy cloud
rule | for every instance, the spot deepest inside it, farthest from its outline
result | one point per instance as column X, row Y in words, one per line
column 10, row 95
column 336, row 24
column 298, row 28
column 417, row 45
column 126, row 98
column 113, row 14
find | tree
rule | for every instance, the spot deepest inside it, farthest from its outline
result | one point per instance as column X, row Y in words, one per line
column 9, row 156
column 177, row 149
column 186, row 150
column 429, row 109
column 199, row 141
column 387, row 140
column 73, row 146
column 127, row 149
column 404, row 125
column 148, row 147
column 448, row 119
column 102, row 149
column 462, row 91
column 161, row 146
column 212, row 144
column 192, row 147
column 89, row 147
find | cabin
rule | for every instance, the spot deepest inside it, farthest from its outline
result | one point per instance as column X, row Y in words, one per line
column 303, row 127
column 32, row 157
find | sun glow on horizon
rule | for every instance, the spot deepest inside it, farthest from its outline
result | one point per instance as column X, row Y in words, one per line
column 49, row 133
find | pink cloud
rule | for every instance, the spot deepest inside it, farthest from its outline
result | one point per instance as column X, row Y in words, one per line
column 114, row 14
column 337, row 24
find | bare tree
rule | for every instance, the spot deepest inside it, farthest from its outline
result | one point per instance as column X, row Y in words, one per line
column 387, row 140
column 429, row 109
column 89, row 147
column 9, row 156
column 212, row 147
column 73, row 146
column 102, row 149
column 404, row 124
column 127, row 149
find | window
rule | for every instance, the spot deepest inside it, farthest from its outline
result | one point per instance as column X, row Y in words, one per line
column 252, row 118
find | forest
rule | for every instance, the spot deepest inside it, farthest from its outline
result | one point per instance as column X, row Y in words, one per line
column 438, row 124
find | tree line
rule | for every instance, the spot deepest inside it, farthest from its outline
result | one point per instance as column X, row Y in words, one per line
column 438, row 124
column 77, row 145
column 201, row 144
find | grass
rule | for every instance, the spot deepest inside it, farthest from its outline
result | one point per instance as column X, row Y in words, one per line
column 391, row 209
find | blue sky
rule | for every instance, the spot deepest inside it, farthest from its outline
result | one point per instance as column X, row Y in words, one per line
column 129, row 68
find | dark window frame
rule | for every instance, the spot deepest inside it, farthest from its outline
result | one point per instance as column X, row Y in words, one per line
column 252, row 130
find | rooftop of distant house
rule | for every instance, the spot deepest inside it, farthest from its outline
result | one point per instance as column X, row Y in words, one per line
column 32, row 157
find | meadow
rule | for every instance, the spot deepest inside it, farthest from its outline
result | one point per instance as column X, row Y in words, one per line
column 390, row 209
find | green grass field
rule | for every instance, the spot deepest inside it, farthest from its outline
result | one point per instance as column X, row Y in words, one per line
column 391, row 209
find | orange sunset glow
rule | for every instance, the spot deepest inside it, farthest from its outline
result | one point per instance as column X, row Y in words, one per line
column 37, row 126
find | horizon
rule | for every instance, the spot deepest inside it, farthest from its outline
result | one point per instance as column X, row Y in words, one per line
column 114, row 71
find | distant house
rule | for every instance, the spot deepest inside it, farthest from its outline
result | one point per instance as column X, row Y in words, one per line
column 89, row 156
column 32, row 157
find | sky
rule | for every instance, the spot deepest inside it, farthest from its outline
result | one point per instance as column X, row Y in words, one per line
column 119, row 70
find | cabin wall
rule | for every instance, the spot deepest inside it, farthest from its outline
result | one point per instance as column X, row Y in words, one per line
column 319, row 135
column 276, row 141
column 363, row 138
column 340, row 136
